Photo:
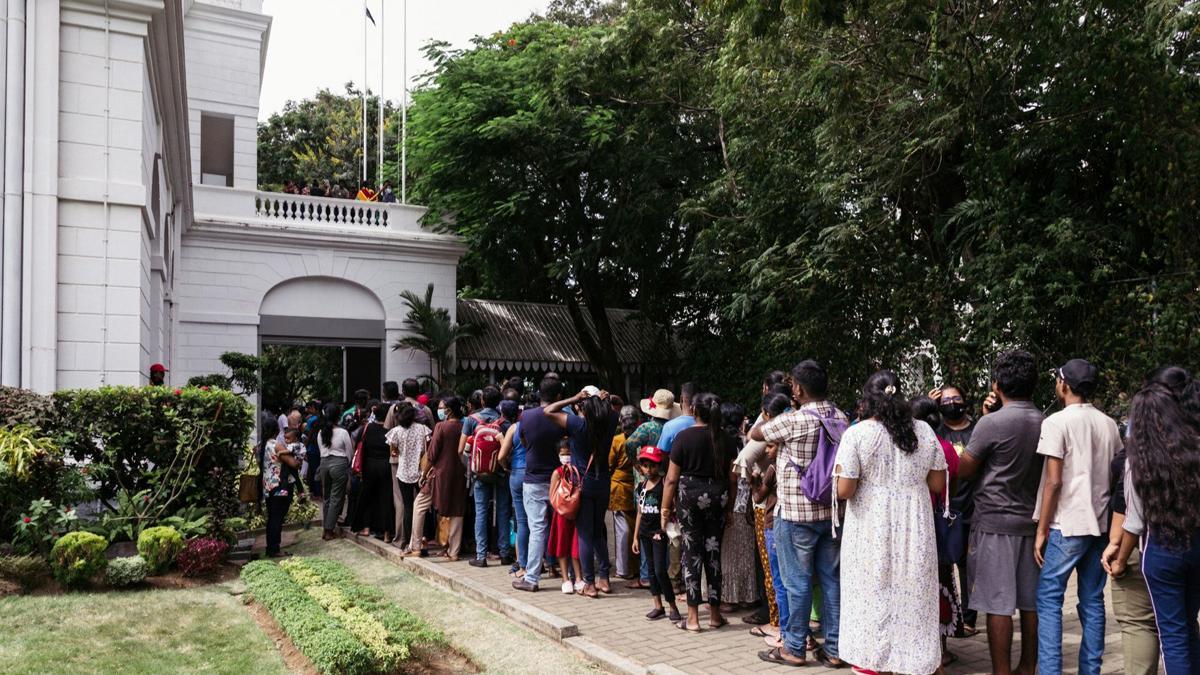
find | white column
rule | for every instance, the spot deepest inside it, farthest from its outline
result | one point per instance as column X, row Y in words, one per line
column 14, row 156
column 39, row 298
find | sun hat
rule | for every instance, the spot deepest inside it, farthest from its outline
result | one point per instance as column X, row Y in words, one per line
column 661, row 405
column 651, row 454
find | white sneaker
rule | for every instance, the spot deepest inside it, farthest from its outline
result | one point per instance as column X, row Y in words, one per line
column 578, row 586
column 567, row 588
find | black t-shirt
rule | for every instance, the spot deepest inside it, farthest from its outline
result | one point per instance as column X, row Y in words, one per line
column 693, row 451
column 963, row 499
column 650, row 506
column 540, row 436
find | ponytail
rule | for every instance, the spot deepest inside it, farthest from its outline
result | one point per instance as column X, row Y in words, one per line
column 331, row 415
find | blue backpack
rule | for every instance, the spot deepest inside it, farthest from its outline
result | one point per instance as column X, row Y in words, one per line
column 816, row 481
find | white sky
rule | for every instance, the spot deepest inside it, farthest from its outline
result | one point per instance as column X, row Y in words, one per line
column 318, row 43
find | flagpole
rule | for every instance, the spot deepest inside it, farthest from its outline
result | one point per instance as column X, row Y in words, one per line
column 404, row 110
column 379, row 138
column 364, row 100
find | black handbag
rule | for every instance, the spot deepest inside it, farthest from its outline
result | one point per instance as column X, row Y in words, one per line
column 949, row 530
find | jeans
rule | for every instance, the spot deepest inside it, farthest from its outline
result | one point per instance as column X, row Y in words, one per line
column 654, row 552
column 486, row 493
column 1065, row 555
column 334, row 470
column 781, row 597
column 536, row 497
column 644, row 569
column 515, row 483
column 806, row 550
column 277, row 508
column 1173, row 577
column 593, row 535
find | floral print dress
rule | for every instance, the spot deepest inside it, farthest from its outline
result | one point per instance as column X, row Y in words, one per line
column 889, row 556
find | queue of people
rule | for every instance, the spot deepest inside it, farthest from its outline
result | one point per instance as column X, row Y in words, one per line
column 861, row 537
column 365, row 193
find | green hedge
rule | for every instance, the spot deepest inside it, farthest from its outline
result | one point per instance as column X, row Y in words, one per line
column 150, row 438
column 77, row 557
column 355, row 628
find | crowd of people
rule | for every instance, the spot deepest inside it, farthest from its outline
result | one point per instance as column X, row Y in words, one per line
column 860, row 537
column 326, row 188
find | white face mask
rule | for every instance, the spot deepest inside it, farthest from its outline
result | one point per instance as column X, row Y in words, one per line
column 564, row 459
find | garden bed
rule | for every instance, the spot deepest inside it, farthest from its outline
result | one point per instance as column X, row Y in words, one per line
column 344, row 626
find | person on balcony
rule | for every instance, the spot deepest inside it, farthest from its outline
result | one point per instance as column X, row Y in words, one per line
column 387, row 195
column 366, row 193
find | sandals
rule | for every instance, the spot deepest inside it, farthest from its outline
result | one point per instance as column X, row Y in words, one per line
column 719, row 625
column 757, row 631
column 827, row 660
column 776, row 656
column 682, row 625
column 603, row 586
column 656, row 614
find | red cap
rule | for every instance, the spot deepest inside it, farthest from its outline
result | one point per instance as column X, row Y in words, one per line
column 158, row 368
column 651, row 453
column 423, row 399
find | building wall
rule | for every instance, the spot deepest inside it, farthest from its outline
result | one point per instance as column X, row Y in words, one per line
column 225, row 272
column 110, row 228
column 224, row 46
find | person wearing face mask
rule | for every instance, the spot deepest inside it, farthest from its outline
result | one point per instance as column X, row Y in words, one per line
column 956, row 428
column 445, row 475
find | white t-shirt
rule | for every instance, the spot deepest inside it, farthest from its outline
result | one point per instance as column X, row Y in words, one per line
column 1086, row 440
column 340, row 445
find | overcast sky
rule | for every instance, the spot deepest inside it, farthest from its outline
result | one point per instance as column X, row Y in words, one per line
column 318, row 43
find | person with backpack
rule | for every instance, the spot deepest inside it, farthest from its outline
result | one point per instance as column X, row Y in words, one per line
column 886, row 466
column 803, row 527
column 482, row 437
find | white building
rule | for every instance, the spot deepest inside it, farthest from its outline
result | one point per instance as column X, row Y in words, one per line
column 133, row 230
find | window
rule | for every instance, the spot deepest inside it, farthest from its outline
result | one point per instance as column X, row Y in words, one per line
column 216, row 150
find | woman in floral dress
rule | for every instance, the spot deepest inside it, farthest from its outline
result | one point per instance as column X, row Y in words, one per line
column 886, row 467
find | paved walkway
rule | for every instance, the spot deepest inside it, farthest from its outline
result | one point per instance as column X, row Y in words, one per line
column 616, row 624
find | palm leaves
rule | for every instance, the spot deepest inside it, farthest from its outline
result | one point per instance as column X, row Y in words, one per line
column 431, row 332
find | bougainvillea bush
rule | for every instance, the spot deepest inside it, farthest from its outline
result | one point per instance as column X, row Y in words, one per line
column 201, row 556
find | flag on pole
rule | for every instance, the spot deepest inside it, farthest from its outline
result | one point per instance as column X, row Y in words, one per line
column 368, row 10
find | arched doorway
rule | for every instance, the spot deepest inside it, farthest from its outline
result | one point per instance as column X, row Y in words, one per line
column 330, row 313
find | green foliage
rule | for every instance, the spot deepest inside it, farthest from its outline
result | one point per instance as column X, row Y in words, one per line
column 22, row 406
column 431, row 332
column 243, row 378
column 31, row 462
column 20, row 448
column 191, row 522
column 77, row 557
column 125, row 572
column 159, row 546
column 26, row 570
column 162, row 449
column 39, row 527
column 296, row 373
column 321, row 139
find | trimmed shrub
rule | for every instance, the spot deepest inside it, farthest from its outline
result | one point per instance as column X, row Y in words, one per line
column 77, row 557
column 124, row 572
column 202, row 556
column 159, row 546
column 25, row 570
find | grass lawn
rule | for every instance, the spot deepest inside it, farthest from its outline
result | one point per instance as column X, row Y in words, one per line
column 201, row 630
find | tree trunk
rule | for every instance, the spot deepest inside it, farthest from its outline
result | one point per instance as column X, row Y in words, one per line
column 598, row 343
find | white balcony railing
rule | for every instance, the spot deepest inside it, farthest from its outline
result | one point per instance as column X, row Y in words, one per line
column 256, row 206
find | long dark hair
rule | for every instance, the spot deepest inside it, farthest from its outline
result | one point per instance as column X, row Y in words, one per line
column 597, row 412
column 332, row 414
column 1164, row 457
column 775, row 403
column 706, row 407
column 926, row 410
column 883, row 400
column 1183, row 387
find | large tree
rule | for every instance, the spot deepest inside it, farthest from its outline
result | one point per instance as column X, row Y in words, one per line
column 564, row 151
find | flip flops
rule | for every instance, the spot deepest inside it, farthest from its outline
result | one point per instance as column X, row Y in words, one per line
column 682, row 625
column 776, row 656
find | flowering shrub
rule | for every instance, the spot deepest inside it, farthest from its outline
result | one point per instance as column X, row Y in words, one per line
column 77, row 557
column 159, row 546
column 201, row 556
column 124, row 572
column 38, row 528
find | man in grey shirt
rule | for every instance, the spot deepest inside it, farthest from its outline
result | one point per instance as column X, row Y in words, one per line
column 1002, row 452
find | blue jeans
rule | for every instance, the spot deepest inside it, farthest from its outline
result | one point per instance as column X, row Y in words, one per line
column 1065, row 555
column 593, row 536
column 537, row 513
column 806, row 550
column 781, row 598
column 515, row 483
column 484, row 493
column 1173, row 577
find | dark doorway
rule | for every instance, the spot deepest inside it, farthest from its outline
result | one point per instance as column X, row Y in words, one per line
column 363, row 370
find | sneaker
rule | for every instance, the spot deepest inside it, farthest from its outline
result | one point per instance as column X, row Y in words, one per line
column 478, row 562
column 579, row 586
column 568, row 588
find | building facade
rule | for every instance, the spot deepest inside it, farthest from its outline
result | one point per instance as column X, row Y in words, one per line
column 133, row 230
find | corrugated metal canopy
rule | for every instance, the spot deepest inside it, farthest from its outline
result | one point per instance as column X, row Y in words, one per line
column 532, row 336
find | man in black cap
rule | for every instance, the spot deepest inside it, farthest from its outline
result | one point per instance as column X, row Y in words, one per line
column 1079, row 443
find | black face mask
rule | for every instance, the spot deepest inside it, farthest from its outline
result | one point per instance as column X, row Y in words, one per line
column 953, row 411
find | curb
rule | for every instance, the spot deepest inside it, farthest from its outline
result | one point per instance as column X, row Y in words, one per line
column 539, row 620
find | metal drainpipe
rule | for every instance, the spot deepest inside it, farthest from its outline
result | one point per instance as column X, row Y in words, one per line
column 14, row 170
